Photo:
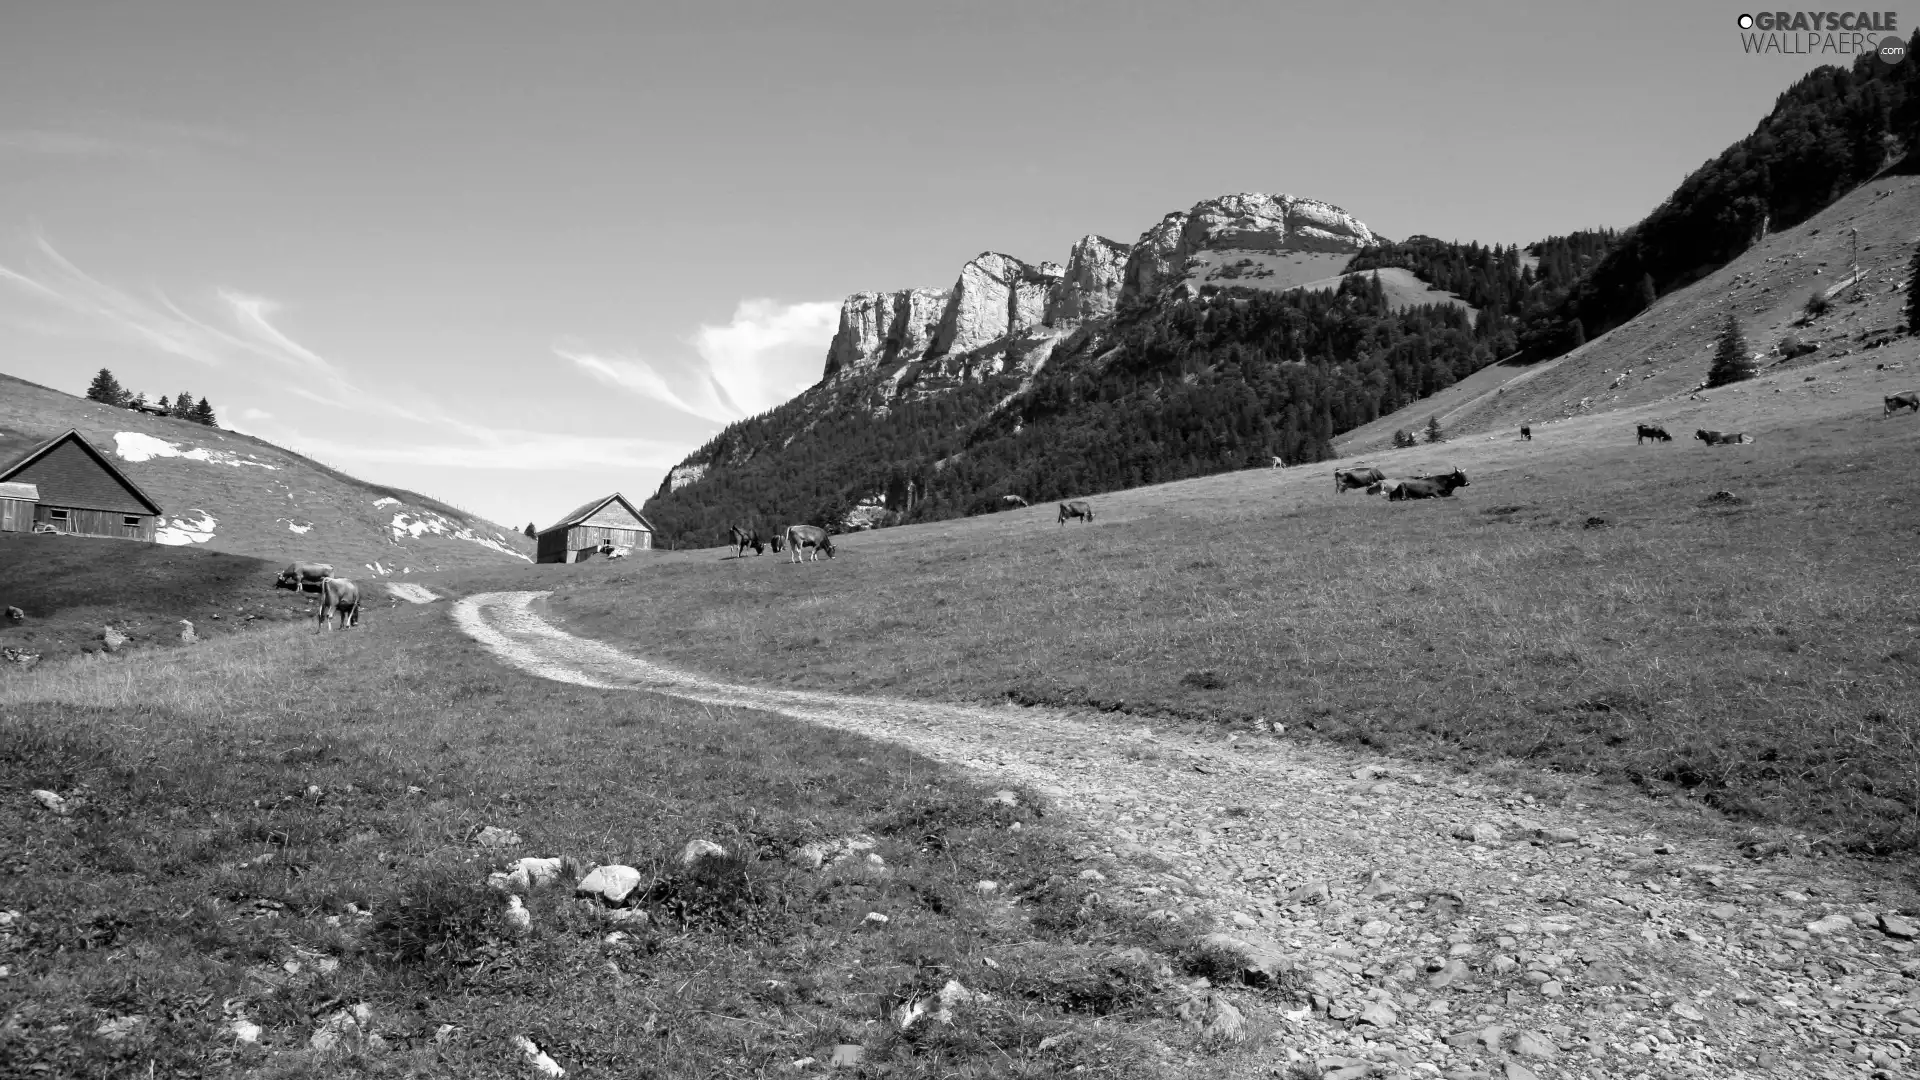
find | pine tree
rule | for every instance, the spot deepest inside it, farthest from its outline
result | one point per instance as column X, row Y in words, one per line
column 203, row 414
column 1730, row 360
column 163, row 405
column 106, row 389
column 139, row 399
column 1913, row 291
column 1434, row 434
column 531, row 531
column 1647, row 293
column 182, row 406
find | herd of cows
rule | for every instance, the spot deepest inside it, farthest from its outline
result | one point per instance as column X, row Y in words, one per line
column 338, row 596
column 802, row 540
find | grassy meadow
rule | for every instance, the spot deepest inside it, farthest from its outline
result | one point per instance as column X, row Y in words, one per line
column 276, row 827
column 1584, row 606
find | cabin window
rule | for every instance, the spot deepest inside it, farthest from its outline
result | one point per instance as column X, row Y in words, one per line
column 130, row 520
column 57, row 515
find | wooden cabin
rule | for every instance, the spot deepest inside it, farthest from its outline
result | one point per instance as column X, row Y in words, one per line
column 67, row 486
column 610, row 520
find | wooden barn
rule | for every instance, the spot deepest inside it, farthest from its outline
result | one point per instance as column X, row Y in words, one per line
column 67, row 486
column 608, row 520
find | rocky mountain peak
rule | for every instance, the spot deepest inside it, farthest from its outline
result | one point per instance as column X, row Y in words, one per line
column 1247, row 224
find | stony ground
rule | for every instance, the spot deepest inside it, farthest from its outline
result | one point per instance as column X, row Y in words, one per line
column 1426, row 924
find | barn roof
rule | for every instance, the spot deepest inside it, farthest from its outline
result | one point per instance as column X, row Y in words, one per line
column 583, row 513
column 20, row 491
column 61, row 483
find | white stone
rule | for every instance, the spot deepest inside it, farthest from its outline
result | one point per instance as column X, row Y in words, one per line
column 50, row 801
column 611, row 883
column 492, row 836
column 519, row 919
column 701, row 849
column 537, row 1057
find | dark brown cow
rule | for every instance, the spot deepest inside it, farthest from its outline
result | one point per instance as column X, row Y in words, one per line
column 743, row 539
column 802, row 537
column 1344, row 479
column 1078, row 508
column 1908, row 400
column 1428, row 487
column 1644, row 432
column 1526, row 432
column 1722, row 438
column 779, row 542
column 297, row 576
column 339, row 595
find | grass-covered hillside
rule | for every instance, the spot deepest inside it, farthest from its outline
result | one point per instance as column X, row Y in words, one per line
column 224, row 491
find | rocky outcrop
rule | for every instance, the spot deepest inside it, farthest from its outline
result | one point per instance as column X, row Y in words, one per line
column 879, row 330
column 1251, row 222
column 682, row 475
column 997, row 295
column 1091, row 282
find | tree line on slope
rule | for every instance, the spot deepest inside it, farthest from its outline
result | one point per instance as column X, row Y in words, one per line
column 1520, row 299
column 1830, row 132
column 1224, row 381
column 107, row 390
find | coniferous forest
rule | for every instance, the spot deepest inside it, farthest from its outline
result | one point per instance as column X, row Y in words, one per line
column 1232, row 378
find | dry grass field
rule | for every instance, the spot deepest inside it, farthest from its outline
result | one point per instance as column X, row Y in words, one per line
column 238, row 809
column 1584, row 606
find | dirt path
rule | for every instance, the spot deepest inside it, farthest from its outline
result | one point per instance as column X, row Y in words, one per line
column 1570, row 944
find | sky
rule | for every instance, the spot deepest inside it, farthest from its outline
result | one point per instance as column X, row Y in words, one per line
column 517, row 256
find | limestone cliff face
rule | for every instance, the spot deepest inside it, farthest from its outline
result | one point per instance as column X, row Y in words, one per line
column 1250, row 222
column 1091, row 282
column 880, row 330
column 996, row 295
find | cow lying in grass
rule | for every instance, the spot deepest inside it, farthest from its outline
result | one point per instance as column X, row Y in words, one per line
column 1908, row 400
column 1356, row 478
column 802, row 537
column 297, row 576
column 1648, row 431
column 1076, row 509
column 341, row 596
column 1428, row 487
column 1722, row 438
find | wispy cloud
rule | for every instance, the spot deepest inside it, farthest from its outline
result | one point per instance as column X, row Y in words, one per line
column 767, row 353
column 107, row 136
column 506, row 450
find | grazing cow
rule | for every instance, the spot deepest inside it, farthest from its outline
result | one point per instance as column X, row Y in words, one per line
column 612, row 552
column 802, row 537
column 1908, row 400
column 1355, row 478
column 297, row 576
column 1428, row 487
column 778, row 543
column 1648, row 431
column 1526, row 432
column 1279, row 462
column 1078, row 508
column 1013, row 500
column 342, row 596
column 743, row 539
column 1722, row 438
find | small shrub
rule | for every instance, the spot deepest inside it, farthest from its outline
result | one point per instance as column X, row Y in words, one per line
column 1404, row 438
column 1817, row 304
column 1434, row 434
column 1203, row 680
column 439, row 920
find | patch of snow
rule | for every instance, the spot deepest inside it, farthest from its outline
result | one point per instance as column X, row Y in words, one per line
column 412, row 594
column 409, row 525
column 183, row 532
column 296, row 527
column 139, row 446
column 378, row 503
column 378, row 570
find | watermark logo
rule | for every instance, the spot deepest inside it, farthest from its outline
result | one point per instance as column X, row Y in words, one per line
column 1837, row 33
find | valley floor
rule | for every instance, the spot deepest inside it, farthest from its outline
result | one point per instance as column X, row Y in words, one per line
column 1434, row 923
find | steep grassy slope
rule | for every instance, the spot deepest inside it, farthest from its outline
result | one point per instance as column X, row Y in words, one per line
column 1665, row 351
column 1584, row 605
column 262, row 500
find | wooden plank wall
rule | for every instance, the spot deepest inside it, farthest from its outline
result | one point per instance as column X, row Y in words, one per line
column 106, row 523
